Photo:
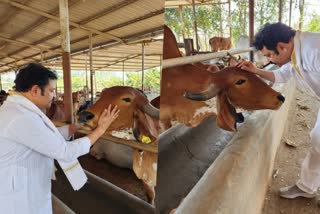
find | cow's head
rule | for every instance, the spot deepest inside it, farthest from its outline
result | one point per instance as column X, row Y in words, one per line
column 135, row 112
column 232, row 86
column 237, row 88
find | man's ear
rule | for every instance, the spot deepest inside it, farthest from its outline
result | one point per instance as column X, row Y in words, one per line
column 34, row 90
column 282, row 46
column 226, row 118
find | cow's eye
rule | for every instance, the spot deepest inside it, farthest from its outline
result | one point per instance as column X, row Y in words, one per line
column 127, row 99
column 240, row 82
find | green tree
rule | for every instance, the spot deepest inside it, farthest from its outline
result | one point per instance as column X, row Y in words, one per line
column 134, row 79
column 152, row 80
column 314, row 25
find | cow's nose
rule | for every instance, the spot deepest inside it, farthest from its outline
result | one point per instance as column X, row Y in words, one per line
column 84, row 116
column 281, row 98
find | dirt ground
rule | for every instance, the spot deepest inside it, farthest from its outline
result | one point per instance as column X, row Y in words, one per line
column 302, row 116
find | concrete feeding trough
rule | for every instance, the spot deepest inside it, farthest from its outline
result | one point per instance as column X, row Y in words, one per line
column 212, row 170
column 98, row 195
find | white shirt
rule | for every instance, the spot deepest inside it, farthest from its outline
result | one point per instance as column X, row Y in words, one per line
column 27, row 150
column 307, row 51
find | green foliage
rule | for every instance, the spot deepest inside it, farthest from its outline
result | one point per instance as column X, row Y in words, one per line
column 210, row 18
column 151, row 80
column 109, row 79
column 314, row 25
column 7, row 81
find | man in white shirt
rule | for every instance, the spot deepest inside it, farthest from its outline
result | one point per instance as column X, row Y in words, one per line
column 29, row 143
column 298, row 54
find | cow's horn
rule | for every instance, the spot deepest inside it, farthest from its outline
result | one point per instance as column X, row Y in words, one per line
column 207, row 94
column 151, row 111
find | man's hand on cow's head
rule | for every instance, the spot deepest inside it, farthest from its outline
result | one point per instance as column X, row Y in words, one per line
column 108, row 116
column 247, row 66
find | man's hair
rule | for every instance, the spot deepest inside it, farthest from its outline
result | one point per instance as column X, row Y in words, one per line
column 33, row 74
column 270, row 34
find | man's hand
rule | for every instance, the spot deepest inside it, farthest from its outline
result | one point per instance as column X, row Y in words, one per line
column 248, row 66
column 107, row 117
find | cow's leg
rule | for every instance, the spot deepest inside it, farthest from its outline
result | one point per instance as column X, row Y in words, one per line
column 145, row 168
column 150, row 192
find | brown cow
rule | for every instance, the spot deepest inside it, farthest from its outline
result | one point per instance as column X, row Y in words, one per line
column 220, row 43
column 233, row 87
column 56, row 110
column 137, row 120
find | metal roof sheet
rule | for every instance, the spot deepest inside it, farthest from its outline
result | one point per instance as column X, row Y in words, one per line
column 30, row 31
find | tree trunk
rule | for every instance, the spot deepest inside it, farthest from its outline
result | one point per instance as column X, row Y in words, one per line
column 301, row 8
column 221, row 28
column 290, row 12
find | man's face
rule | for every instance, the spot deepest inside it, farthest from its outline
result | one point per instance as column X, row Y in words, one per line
column 280, row 59
column 44, row 100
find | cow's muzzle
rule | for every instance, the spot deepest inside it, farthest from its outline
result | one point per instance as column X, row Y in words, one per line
column 281, row 98
column 84, row 116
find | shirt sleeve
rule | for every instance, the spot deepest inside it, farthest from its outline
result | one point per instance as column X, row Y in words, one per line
column 31, row 131
column 64, row 131
column 283, row 74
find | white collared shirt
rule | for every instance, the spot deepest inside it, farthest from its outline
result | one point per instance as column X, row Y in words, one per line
column 307, row 51
column 27, row 150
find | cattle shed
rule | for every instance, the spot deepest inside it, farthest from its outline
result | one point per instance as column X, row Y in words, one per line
column 227, row 172
column 82, row 35
column 91, row 36
column 119, row 31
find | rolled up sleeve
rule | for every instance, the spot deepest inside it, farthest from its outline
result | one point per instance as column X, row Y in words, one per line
column 283, row 74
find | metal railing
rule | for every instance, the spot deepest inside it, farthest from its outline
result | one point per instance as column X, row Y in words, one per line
column 167, row 63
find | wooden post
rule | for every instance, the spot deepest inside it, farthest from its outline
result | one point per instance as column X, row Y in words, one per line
column 160, row 68
column 65, row 44
column 181, row 21
column 251, row 26
column 195, row 24
column 290, row 12
column 301, row 10
column 230, row 20
column 86, row 68
column 42, row 57
column 280, row 10
column 86, row 87
column 91, row 67
column 221, row 28
column 142, row 81
column 123, row 73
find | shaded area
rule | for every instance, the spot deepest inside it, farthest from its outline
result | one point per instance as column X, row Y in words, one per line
column 123, row 178
column 184, row 155
column 91, row 199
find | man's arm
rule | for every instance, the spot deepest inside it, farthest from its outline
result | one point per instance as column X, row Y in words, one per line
column 31, row 131
column 248, row 66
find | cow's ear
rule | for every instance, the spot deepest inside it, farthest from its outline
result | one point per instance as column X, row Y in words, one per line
column 144, row 127
column 226, row 118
